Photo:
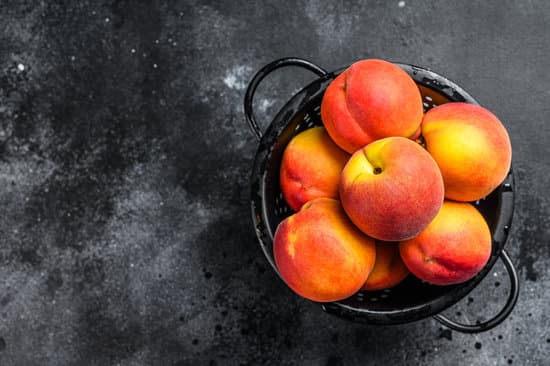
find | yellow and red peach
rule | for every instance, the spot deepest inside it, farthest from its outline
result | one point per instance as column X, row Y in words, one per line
column 452, row 249
column 391, row 189
column 471, row 147
column 370, row 100
column 320, row 254
column 389, row 269
column 311, row 167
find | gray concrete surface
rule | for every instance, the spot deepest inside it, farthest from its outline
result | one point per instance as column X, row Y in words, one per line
column 126, row 236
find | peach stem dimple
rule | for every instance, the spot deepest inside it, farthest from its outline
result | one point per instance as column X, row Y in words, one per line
column 368, row 164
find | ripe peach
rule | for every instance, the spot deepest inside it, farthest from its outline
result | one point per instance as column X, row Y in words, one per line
column 370, row 100
column 452, row 249
column 471, row 147
column 320, row 254
column 389, row 269
column 311, row 167
column 391, row 189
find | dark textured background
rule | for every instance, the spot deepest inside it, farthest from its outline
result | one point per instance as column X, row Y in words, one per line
column 125, row 228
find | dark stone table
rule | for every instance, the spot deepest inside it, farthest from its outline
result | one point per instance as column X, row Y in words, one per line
column 126, row 233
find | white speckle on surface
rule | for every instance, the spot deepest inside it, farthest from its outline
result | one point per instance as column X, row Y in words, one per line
column 237, row 77
column 265, row 104
column 20, row 67
column 73, row 58
column 155, row 66
column 133, row 50
column 401, row 4
column 157, row 41
column 107, row 20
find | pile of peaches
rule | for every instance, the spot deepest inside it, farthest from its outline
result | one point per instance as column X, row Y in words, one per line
column 383, row 190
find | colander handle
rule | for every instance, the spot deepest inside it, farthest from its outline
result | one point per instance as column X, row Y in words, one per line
column 260, row 75
column 499, row 318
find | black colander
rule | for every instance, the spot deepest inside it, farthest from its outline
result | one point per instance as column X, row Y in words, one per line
column 412, row 299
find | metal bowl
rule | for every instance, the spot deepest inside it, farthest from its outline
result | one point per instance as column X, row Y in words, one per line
column 412, row 299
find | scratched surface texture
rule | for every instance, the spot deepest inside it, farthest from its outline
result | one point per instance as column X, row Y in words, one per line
column 125, row 229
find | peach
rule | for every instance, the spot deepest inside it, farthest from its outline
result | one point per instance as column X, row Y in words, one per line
column 391, row 189
column 311, row 167
column 370, row 100
column 453, row 248
column 389, row 269
column 471, row 147
column 320, row 254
